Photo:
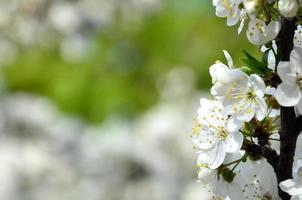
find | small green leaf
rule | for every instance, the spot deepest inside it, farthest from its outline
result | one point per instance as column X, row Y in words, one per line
column 253, row 64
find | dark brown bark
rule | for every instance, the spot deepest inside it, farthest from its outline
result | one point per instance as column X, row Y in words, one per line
column 289, row 129
column 288, row 139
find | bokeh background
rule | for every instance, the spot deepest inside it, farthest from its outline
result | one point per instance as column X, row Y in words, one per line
column 97, row 97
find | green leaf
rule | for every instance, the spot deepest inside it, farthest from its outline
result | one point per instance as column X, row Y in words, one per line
column 253, row 65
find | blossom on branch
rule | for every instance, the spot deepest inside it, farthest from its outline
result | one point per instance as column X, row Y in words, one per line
column 289, row 92
column 294, row 186
column 241, row 95
column 260, row 33
column 216, row 134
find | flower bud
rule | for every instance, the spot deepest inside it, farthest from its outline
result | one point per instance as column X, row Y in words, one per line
column 288, row 8
column 228, row 175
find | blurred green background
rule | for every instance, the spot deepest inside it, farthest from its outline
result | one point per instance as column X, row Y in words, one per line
column 120, row 71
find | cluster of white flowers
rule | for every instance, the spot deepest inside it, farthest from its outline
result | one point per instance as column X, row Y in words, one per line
column 221, row 128
column 227, row 126
column 263, row 16
column 240, row 121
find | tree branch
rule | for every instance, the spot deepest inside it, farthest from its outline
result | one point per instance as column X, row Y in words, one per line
column 271, row 157
column 289, row 133
column 299, row 124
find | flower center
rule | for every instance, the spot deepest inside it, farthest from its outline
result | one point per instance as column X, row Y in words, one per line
column 222, row 133
column 251, row 95
column 299, row 81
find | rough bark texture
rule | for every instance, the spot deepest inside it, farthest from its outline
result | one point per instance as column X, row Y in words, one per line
column 289, row 122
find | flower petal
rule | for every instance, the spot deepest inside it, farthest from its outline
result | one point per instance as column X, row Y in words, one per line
column 257, row 84
column 297, row 197
column 234, row 142
column 234, row 124
column 229, row 58
column 285, row 72
column 288, row 95
column 299, row 107
column 261, row 109
column 217, row 70
column 295, row 60
column 273, row 29
column 206, row 175
column 204, row 141
column 217, row 155
column 291, row 186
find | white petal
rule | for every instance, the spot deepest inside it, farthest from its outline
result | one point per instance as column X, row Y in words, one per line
column 274, row 45
column 299, row 107
column 221, row 11
column 273, row 30
column 202, row 157
column 232, row 20
column 204, row 141
column 215, row 2
column 208, row 105
column 286, row 73
column 261, row 109
column 218, row 89
column 234, row 192
column 234, row 142
column 229, row 58
column 217, row 70
column 271, row 61
column 260, row 35
column 297, row 197
column 295, row 60
column 263, row 48
column 234, row 124
column 291, row 186
column 258, row 84
column 217, row 155
column 288, row 95
column 247, row 112
column 240, row 28
column 270, row 90
column 206, row 175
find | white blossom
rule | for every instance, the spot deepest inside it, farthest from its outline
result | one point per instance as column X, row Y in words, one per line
column 259, row 33
column 288, row 8
column 228, row 9
column 258, row 181
column 215, row 134
column 206, row 175
column 294, row 186
column 241, row 95
column 289, row 91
